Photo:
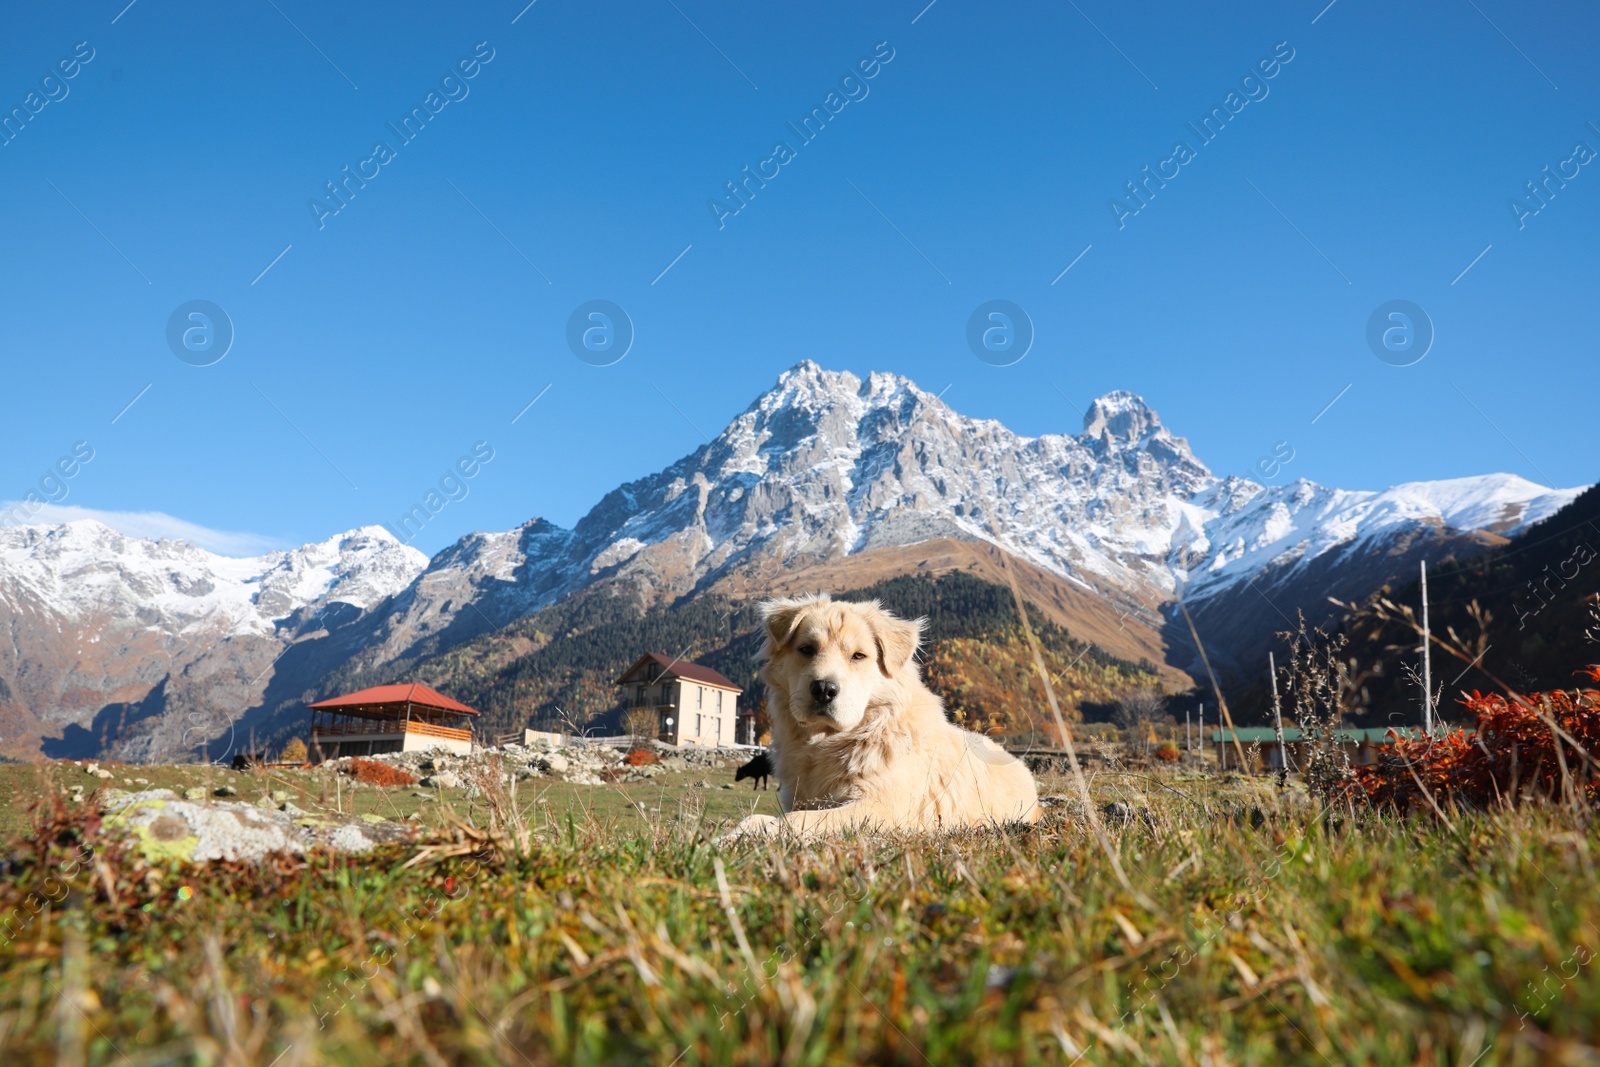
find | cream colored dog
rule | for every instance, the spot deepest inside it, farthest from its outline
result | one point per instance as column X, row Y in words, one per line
column 859, row 741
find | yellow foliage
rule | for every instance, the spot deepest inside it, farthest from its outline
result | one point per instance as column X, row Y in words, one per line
column 991, row 683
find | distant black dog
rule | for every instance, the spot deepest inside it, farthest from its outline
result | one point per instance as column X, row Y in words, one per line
column 244, row 761
column 759, row 768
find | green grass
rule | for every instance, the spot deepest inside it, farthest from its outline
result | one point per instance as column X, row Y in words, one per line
column 1249, row 930
column 23, row 783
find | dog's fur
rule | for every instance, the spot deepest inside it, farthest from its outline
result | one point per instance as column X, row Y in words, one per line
column 879, row 754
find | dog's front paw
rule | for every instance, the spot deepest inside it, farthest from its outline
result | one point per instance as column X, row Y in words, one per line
column 755, row 826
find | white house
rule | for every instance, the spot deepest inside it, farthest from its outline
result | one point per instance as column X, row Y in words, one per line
column 693, row 704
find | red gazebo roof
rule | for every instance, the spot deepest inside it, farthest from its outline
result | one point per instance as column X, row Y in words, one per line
column 397, row 696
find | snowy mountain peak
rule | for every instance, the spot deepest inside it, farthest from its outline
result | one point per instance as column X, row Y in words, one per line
column 825, row 464
column 1122, row 415
column 83, row 567
column 807, row 384
column 810, row 387
column 1121, row 424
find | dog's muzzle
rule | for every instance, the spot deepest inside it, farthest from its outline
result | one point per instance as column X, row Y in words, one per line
column 822, row 695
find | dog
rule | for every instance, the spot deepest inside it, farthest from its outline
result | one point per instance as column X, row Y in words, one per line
column 759, row 769
column 859, row 742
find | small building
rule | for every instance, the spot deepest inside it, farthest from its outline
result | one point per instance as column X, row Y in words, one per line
column 1260, row 744
column 389, row 718
column 693, row 704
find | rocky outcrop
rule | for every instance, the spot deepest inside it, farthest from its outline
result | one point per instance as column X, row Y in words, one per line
column 161, row 826
column 579, row 763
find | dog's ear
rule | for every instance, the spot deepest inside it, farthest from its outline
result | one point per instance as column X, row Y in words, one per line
column 897, row 642
column 782, row 616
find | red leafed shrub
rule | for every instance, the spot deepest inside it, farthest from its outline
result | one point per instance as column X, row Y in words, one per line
column 638, row 757
column 1167, row 753
column 375, row 773
column 1513, row 754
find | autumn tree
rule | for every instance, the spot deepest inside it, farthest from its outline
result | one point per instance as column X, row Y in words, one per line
column 1137, row 711
column 640, row 723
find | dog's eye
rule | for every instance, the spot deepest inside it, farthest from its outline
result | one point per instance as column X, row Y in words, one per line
column 859, row 655
column 807, row 650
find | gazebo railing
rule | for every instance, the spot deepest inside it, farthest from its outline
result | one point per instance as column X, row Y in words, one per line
column 378, row 726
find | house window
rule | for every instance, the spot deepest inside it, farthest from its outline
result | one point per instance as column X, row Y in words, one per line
column 697, row 726
column 699, row 696
column 719, row 731
column 719, row 700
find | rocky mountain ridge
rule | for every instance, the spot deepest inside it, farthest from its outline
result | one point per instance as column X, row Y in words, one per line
column 824, row 467
column 100, row 623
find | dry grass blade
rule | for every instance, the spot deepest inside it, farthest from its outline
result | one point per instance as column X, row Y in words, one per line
column 460, row 838
column 1222, row 702
column 1066, row 742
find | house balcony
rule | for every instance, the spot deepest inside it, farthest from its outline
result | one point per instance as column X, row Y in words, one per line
column 366, row 737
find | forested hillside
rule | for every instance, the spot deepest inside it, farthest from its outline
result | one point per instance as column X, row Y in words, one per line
column 1526, row 607
column 1523, row 611
column 556, row 669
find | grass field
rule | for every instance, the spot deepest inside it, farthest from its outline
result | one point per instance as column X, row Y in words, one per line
column 1218, row 922
column 20, row 784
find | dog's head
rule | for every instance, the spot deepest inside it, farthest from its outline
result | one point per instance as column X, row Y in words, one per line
column 831, row 661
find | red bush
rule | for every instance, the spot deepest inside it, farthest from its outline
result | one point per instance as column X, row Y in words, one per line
column 638, row 757
column 1168, row 753
column 1513, row 753
column 375, row 773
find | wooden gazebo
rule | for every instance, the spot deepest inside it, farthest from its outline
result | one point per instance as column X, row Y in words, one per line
column 389, row 718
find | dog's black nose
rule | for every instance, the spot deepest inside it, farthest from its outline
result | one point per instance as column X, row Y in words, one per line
column 824, row 692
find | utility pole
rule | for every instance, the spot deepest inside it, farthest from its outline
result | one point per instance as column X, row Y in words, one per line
column 1427, row 659
column 1277, row 724
column 1200, row 732
column 1188, row 739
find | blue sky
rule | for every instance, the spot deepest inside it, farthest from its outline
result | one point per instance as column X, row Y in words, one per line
column 178, row 163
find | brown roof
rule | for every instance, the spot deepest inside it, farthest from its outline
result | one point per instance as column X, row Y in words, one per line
column 414, row 693
column 682, row 668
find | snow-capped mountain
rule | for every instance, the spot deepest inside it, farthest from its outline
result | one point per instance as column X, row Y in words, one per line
column 1245, row 529
column 821, row 468
column 83, row 567
column 98, row 620
column 827, row 465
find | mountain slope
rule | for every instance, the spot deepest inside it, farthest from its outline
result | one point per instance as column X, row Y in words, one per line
column 826, row 467
column 1524, row 609
column 1539, row 601
column 107, row 632
column 826, row 480
column 558, row 666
